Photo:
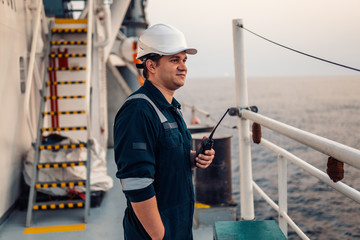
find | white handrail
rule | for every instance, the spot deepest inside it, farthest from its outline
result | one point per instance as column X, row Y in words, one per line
column 89, row 65
column 331, row 148
column 30, row 74
column 282, row 213
column 339, row 186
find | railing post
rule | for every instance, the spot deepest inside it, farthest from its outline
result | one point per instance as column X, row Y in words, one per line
column 192, row 111
column 89, row 67
column 282, row 185
column 246, row 187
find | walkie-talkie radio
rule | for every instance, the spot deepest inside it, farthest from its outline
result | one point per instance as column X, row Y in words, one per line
column 208, row 143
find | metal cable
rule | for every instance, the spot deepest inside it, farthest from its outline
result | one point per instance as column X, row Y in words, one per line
column 294, row 50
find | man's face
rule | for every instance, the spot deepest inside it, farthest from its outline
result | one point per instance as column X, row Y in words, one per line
column 171, row 71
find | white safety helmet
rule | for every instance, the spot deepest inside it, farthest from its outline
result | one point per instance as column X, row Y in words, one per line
column 162, row 39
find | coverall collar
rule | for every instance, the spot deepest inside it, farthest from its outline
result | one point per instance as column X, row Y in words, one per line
column 159, row 97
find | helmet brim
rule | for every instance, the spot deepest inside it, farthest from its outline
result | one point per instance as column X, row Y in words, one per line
column 191, row 51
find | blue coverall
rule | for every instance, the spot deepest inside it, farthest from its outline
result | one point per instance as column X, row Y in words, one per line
column 152, row 153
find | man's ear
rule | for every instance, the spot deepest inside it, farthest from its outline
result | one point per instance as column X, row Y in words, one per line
column 150, row 65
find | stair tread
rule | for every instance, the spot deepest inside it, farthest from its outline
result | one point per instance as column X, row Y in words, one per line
column 64, row 97
column 67, row 183
column 70, row 128
column 50, row 69
column 65, row 112
column 70, row 21
column 62, row 146
column 58, row 164
column 67, row 55
column 63, row 181
column 65, row 82
column 69, row 30
column 56, row 205
column 66, row 42
column 58, row 202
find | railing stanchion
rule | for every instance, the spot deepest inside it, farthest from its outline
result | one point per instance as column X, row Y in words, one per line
column 282, row 178
column 246, row 187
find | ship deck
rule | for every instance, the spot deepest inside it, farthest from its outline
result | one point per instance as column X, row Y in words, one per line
column 104, row 222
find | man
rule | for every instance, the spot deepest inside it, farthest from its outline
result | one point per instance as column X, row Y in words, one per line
column 152, row 143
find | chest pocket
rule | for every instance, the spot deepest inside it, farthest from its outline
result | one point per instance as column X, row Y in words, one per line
column 172, row 137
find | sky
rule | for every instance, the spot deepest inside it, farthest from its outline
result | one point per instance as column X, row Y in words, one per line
column 328, row 29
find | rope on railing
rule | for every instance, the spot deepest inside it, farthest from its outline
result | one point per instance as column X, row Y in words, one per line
column 300, row 52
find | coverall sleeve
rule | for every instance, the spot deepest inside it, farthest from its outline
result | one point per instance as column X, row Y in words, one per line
column 134, row 145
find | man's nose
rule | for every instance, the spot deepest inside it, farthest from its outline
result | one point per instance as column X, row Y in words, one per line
column 182, row 66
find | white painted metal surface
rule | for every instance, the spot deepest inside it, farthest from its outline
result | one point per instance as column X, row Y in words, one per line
column 118, row 11
column 14, row 134
column 107, row 26
column 339, row 186
column 89, row 65
column 31, row 66
column 246, row 188
column 282, row 183
column 339, row 151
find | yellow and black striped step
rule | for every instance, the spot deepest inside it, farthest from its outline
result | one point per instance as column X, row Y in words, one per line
column 59, row 205
column 67, row 55
column 63, row 97
column 64, row 42
column 62, row 146
column 61, row 164
column 69, row 30
column 63, row 113
column 64, row 82
column 60, row 184
column 70, row 21
column 51, row 69
column 64, row 129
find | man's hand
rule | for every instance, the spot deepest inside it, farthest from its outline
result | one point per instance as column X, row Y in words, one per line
column 203, row 160
column 148, row 214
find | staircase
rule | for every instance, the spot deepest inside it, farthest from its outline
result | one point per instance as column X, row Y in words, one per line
column 64, row 110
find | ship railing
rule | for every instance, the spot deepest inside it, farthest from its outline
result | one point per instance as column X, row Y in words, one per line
column 331, row 148
column 40, row 23
column 195, row 110
column 89, row 62
column 328, row 147
column 210, row 120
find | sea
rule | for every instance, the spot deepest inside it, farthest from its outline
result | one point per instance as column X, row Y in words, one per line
column 325, row 106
